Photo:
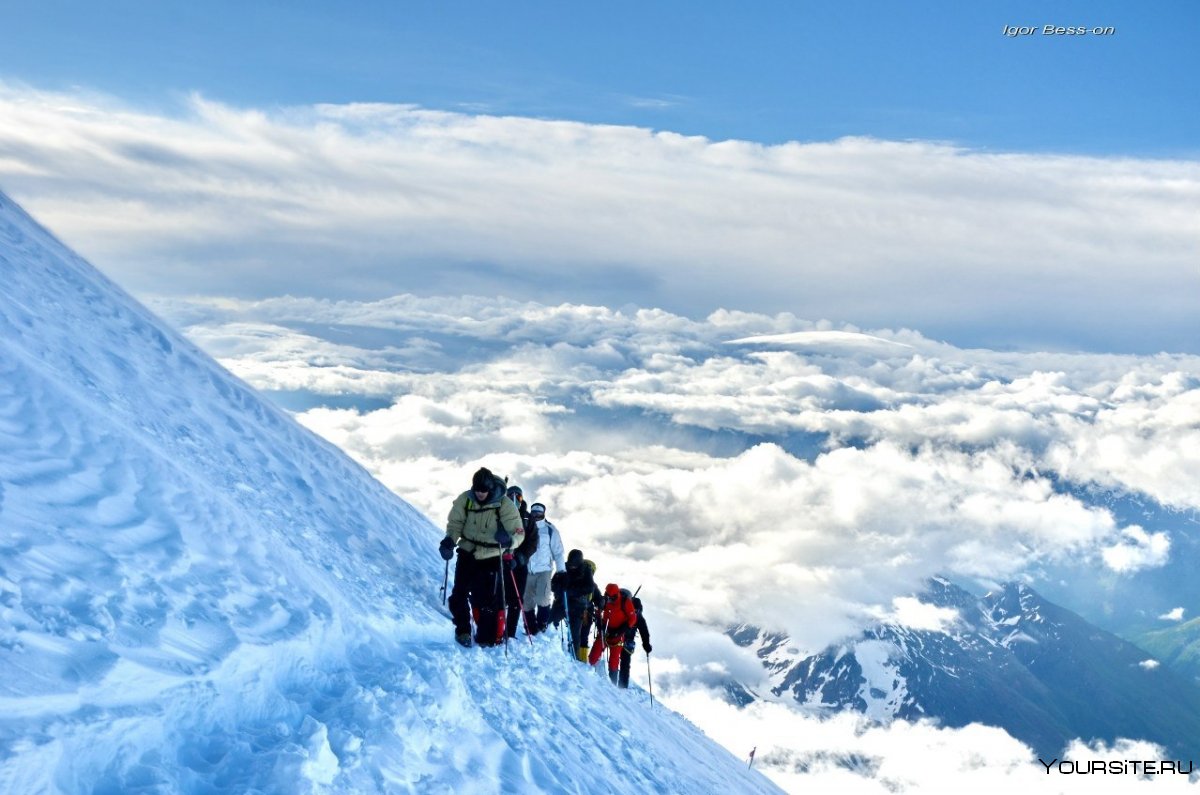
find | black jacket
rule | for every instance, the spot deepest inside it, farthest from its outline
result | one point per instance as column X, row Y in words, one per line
column 577, row 586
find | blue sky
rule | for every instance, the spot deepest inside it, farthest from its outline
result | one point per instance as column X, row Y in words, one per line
column 773, row 72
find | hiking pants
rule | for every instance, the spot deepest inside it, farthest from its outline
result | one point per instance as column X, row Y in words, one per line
column 626, row 662
column 537, row 590
column 476, row 594
column 615, row 643
column 577, row 623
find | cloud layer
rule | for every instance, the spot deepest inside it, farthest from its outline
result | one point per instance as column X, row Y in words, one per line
column 744, row 468
column 367, row 201
column 847, row 754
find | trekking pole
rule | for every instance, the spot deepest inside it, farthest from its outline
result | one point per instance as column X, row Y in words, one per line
column 445, row 579
column 521, row 604
column 649, row 680
column 503, row 603
column 602, row 640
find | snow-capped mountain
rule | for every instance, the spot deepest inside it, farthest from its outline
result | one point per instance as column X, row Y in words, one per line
column 1009, row 659
column 197, row 595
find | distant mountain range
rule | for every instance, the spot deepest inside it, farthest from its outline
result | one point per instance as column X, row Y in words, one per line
column 1011, row 659
column 1177, row 647
column 1130, row 604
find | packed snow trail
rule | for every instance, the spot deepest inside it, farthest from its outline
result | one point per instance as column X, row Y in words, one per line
column 197, row 595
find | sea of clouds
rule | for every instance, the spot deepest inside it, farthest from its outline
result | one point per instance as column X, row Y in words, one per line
column 743, row 468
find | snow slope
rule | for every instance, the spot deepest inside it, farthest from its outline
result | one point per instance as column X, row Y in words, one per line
column 197, row 595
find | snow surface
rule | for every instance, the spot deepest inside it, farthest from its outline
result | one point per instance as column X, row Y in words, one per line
column 884, row 687
column 197, row 595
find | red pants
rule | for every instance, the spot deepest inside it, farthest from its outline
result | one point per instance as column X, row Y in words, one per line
column 614, row 643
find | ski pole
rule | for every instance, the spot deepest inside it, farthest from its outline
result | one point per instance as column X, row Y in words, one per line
column 602, row 640
column 503, row 603
column 649, row 680
column 521, row 604
column 445, row 579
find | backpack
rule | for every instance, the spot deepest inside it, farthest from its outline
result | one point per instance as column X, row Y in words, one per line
column 630, row 603
column 637, row 603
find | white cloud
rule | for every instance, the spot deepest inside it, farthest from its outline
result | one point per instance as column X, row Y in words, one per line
column 911, row 612
column 1144, row 434
column 1172, row 615
column 839, row 342
column 846, row 754
column 845, row 475
column 1137, row 549
column 1149, row 665
column 372, row 200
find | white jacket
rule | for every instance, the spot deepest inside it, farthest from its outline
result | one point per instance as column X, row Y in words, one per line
column 549, row 549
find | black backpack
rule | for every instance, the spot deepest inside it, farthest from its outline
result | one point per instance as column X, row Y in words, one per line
column 637, row 603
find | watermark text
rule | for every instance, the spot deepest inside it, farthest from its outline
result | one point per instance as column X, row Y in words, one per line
column 1119, row 767
column 1016, row 31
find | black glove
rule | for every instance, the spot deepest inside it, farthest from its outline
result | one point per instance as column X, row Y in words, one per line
column 520, row 560
column 646, row 647
column 558, row 582
column 630, row 645
column 503, row 538
column 446, row 548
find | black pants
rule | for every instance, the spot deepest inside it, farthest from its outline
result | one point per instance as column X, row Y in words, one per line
column 626, row 661
column 476, row 594
column 580, row 623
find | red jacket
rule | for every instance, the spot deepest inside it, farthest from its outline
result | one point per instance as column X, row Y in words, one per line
column 619, row 613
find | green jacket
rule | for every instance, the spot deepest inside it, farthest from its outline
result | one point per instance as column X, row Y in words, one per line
column 473, row 526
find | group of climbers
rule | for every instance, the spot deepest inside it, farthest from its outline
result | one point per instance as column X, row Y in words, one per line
column 510, row 558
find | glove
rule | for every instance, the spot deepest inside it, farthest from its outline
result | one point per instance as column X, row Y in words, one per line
column 520, row 559
column 503, row 538
column 446, row 548
column 630, row 646
column 646, row 648
column 558, row 582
